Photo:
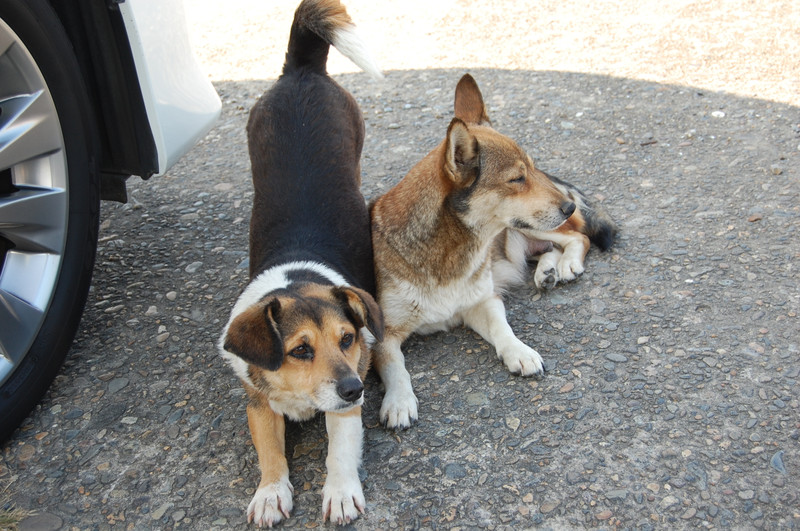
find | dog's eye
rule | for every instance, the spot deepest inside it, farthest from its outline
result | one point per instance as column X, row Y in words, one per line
column 517, row 180
column 303, row 352
column 347, row 341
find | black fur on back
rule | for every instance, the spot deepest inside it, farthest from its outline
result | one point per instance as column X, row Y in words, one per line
column 305, row 137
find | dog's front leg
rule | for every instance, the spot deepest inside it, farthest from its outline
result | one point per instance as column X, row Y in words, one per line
column 570, row 265
column 273, row 499
column 399, row 407
column 488, row 318
column 342, row 497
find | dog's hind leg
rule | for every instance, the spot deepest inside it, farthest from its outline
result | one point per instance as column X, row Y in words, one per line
column 546, row 275
column 564, row 263
column 342, row 496
column 488, row 318
column 399, row 407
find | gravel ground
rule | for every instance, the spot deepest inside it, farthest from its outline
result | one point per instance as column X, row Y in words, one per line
column 671, row 398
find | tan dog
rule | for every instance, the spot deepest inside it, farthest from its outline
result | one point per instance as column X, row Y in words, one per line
column 299, row 334
column 453, row 234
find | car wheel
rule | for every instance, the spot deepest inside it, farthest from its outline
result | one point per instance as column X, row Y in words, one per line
column 49, row 203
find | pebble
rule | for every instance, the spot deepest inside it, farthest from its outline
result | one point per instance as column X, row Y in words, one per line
column 455, row 471
column 172, row 295
column 117, row 384
column 548, row 507
column 619, row 494
column 74, row 414
column 616, row 358
column 26, row 452
column 746, row 494
column 193, row 267
column 669, row 501
column 512, row 423
column 776, row 462
column 161, row 511
column 477, row 398
column 40, row 522
column 151, row 311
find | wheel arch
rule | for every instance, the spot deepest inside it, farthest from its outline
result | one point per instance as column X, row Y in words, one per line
column 99, row 40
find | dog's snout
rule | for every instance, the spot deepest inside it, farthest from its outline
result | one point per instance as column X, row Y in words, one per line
column 567, row 208
column 350, row 389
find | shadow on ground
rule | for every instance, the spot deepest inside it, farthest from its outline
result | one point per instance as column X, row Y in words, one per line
column 671, row 394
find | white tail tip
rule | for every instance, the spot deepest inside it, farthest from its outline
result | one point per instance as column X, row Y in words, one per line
column 350, row 44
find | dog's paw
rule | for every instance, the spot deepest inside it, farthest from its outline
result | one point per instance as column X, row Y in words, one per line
column 569, row 268
column 522, row 359
column 342, row 499
column 545, row 279
column 399, row 410
column 271, row 504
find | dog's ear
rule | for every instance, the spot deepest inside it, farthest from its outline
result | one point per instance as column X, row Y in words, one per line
column 469, row 104
column 253, row 336
column 462, row 155
column 362, row 309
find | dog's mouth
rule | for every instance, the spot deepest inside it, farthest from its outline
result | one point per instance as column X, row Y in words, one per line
column 340, row 396
column 346, row 406
column 555, row 219
column 524, row 226
column 343, row 406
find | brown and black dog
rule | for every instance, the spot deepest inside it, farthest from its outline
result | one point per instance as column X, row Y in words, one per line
column 299, row 334
column 455, row 231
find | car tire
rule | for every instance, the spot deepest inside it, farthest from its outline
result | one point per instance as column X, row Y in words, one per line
column 50, row 218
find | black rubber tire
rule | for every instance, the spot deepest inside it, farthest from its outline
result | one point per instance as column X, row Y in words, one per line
column 38, row 27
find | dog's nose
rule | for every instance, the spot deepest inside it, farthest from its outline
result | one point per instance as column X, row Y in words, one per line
column 350, row 389
column 567, row 208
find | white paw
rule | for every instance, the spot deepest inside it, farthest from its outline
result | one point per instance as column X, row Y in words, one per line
column 545, row 279
column 522, row 359
column 569, row 268
column 342, row 499
column 547, row 271
column 399, row 409
column 271, row 504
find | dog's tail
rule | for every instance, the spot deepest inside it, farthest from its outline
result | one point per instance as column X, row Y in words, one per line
column 598, row 225
column 319, row 24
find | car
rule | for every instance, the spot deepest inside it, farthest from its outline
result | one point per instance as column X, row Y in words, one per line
column 91, row 93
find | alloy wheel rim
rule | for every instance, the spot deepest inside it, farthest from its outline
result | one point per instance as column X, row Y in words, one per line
column 33, row 200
